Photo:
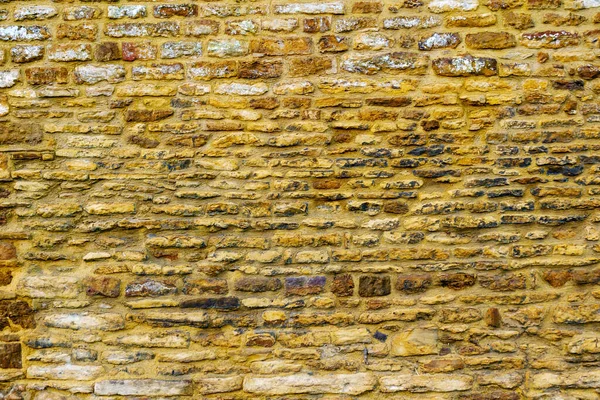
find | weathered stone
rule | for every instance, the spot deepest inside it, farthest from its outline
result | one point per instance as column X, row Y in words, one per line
column 65, row 372
column 48, row 287
column 279, row 47
column 26, row 53
column 351, row 384
column 143, row 387
column 103, row 322
column 69, row 52
column 24, row 33
column 34, row 13
column 150, row 287
column 453, row 5
column 465, row 66
column 549, row 39
column 91, row 74
column 336, row 7
column 218, row 385
column 425, row 383
column 397, row 62
column 576, row 314
column 440, row 41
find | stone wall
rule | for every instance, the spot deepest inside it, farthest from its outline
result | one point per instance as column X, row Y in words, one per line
column 300, row 200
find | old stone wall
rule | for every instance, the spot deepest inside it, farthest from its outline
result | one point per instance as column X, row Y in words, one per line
column 332, row 200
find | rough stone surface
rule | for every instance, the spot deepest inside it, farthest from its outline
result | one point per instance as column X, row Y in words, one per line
column 345, row 199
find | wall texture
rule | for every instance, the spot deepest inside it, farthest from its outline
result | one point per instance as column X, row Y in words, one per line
column 319, row 200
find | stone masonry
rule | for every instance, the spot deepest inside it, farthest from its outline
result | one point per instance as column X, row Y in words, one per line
column 337, row 199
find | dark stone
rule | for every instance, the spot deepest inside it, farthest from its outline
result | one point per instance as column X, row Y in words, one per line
column 457, row 281
column 10, row 355
column 395, row 207
column 399, row 101
column 342, row 285
column 18, row 312
column 302, row 286
column 413, row 283
column 258, row 284
column 429, row 151
column 217, row 303
column 568, row 85
column 586, row 277
column 372, row 286
column 588, row 71
column 557, row 278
